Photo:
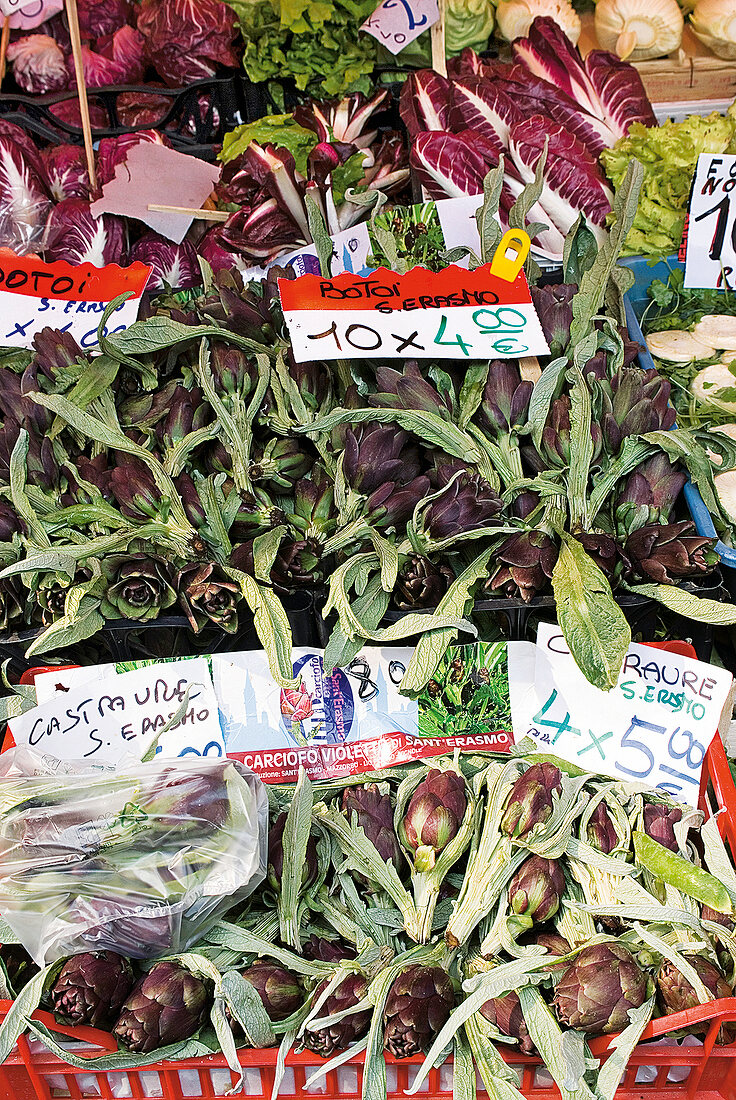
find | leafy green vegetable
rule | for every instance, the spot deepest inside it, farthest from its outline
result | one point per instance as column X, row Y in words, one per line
column 315, row 42
column 279, row 130
column 669, row 154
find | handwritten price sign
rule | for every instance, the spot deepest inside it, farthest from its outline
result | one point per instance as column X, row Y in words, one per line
column 35, row 295
column 120, row 715
column 396, row 23
column 653, row 728
column 453, row 314
column 710, row 250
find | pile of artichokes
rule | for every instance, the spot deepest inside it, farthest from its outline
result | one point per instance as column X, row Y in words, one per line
column 475, row 904
column 195, row 469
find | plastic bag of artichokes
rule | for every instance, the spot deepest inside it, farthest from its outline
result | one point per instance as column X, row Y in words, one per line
column 140, row 861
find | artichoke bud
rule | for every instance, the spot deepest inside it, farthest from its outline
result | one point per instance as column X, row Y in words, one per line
column 599, row 987
column 91, row 988
column 536, row 888
column 166, row 1006
column 659, row 824
column 375, row 817
column 674, row 992
column 417, row 1007
column 325, row 1041
column 280, row 465
column 505, row 399
column 421, row 583
column 505, row 1012
column 433, row 816
column 530, row 800
column 601, row 830
column 665, row 552
column 278, row 988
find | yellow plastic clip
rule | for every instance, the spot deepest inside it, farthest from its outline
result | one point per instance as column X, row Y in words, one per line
column 509, row 257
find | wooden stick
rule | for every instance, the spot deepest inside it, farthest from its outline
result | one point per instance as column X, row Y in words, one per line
column 71, row 11
column 437, row 36
column 529, row 368
column 203, row 215
column 4, row 43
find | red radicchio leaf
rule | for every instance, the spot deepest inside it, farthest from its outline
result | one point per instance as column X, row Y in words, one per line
column 66, row 171
column 75, row 235
column 187, row 40
column 100, row 17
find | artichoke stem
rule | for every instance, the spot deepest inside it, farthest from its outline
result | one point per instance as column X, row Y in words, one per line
column 426, row 892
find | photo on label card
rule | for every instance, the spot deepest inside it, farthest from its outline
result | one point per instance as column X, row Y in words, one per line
column 468, row 694
column 416, row 233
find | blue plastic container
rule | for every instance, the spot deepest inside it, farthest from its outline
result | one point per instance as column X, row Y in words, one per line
column 636, row 302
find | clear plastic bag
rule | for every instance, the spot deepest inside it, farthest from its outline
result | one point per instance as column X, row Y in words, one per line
column 139, row 860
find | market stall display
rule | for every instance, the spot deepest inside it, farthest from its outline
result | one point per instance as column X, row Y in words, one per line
column 507, row 895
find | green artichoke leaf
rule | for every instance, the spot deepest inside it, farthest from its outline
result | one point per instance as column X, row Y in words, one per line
column 594, row 626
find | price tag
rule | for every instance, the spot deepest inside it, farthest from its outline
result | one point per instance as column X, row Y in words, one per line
column 451, row 314
column 35, row 295
column 396, row 23
column 710, row 249
column 653, row 728
column 120, row 715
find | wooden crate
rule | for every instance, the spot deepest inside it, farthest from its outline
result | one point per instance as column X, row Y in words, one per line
column 694, row 73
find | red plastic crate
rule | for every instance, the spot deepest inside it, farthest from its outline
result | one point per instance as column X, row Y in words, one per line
column 666, row 1071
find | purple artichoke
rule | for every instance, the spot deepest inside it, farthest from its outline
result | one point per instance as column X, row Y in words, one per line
column 659, row 823
column 505, row 399
column 277, row 987
column 468, row 502
column 665, row 552
column 530, row 800
column 208, row 595
column 421, row 583
column 321, row 950
column 674, row 992
column 167, row 1005
column 597, row 990
column 91, row 988
column 601, row 832
column 526, row 564
column 327, row 1040
column 536, row 888
column 433, row 816
column 649, row 494
column 375, row 817
column 376, row 454
column 418, row 1005
column 505, row 1012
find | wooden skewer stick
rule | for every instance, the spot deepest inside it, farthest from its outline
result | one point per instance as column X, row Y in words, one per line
column 71, row 10
column 529, row 368
column 4, row 43
column 203, row 215
column 437, row 37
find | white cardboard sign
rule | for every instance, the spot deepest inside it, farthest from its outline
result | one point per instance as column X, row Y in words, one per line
column 120, row 715
column 710, row 257
column 396, row 23
column 653, row 728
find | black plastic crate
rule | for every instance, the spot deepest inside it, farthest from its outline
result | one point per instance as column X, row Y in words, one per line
column 194, row 119
column 167, row 636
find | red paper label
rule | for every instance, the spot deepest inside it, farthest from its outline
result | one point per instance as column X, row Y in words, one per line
column 387, row 292
column 69, row 282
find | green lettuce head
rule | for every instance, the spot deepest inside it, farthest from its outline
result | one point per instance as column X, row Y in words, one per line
column 468, row 23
